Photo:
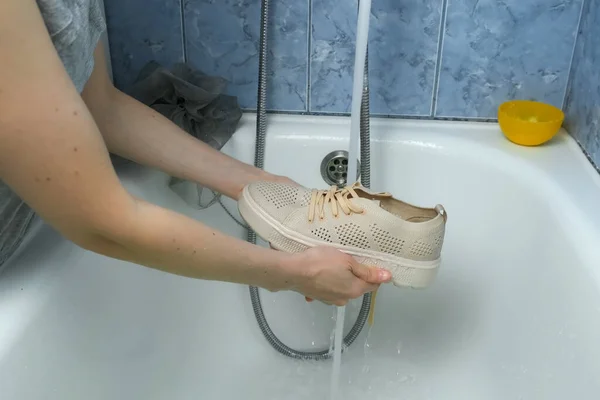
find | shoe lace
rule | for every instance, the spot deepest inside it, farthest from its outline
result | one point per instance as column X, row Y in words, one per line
column 338, row 199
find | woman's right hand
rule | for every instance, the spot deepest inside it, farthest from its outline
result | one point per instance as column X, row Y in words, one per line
column 333, row 277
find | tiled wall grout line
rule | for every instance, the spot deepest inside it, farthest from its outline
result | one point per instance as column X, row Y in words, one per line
column 570, row 70
column 309, row 58
column 183, row 33
column 381, row 116
column 438, row 65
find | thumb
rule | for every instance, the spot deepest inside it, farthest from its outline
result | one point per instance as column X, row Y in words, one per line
column 371, row 274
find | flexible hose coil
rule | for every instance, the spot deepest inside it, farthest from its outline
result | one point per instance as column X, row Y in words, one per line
column 261, row 125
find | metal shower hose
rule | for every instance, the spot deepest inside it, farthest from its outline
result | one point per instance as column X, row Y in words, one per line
column 261, row 125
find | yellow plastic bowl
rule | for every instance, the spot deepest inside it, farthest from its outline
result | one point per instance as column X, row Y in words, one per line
column 529, row 123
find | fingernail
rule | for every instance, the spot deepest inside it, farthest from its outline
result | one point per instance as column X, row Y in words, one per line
column 384, row 275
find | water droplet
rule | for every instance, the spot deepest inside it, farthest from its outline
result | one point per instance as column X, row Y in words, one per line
column 399, row 347
column 313, row 343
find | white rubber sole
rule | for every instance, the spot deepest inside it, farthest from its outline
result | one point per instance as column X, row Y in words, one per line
column 405, row 272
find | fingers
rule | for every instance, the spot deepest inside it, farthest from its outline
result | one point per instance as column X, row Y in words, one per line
column 338, row 303
column 359, row 290
column 341, row 277
column 371, row 287
column 372, row 275
column 363, row 288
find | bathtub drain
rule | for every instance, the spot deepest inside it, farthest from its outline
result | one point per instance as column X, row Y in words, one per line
column 261, row 124
column 334, row 168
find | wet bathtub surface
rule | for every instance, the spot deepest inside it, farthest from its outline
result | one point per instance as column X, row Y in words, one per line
column 514, row 313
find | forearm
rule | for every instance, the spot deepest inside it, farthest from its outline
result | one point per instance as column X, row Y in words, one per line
column 136, row 132
column 167, row 241
column 56, row 160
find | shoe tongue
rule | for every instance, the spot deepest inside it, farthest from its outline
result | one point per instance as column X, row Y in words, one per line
column 367, row 202
column 368, row 194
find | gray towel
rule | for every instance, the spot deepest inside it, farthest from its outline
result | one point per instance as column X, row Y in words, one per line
column 196, row 103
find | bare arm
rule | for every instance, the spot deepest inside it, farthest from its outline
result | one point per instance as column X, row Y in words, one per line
column 137, row 132
column 54, row 157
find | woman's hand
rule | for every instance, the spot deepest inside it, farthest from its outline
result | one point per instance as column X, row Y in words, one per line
column 333, row 277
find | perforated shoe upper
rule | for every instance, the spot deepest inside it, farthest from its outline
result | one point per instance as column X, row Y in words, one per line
column 376, row 229
column 356, row 218
column 279, row 199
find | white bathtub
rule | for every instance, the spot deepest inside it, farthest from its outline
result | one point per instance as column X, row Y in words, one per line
column 514, row 313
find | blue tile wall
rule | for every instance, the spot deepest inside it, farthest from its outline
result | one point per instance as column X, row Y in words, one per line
column 222, row 38
column 428, row 58
column 140, row 31
column 403, row 45
column 403, row 42
column 504, row 49
column 583, row 99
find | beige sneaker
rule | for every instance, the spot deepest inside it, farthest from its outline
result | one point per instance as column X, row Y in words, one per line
column 375, row 228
